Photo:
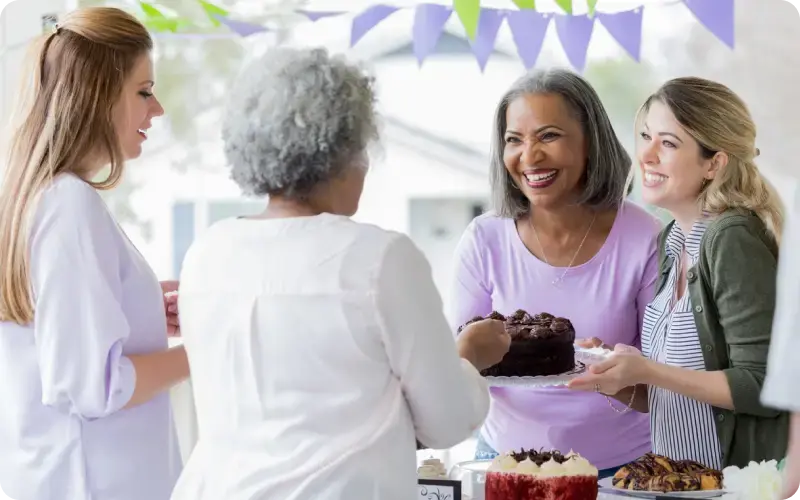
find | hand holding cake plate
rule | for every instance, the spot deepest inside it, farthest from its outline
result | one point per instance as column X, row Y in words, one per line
column 542, row 351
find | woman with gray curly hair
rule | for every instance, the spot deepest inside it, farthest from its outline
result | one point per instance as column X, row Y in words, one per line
column 318, row 346
column 563, row 240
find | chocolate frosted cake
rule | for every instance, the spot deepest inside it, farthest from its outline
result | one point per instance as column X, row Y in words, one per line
column 540, row 345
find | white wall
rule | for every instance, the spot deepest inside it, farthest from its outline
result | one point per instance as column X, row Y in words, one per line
column 20, row 23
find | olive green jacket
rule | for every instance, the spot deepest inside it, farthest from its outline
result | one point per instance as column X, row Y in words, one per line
column 732, row 289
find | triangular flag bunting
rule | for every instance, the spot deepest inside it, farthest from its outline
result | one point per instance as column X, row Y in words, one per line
column 591, row 6
column 316, row 16
column 626, row 28
column 528, row 29
column 368, row 19
column 717, row 16
column 429, row 21
column 566, row 5
column 469, row 11
column 488, row 26
column 525, row 4
column 151, row 11
column 575, row 33
column 241, row 28
column 212, row 11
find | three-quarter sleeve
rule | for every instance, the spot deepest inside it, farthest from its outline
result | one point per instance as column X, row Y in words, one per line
column 743, row 274
column 446, row 395
column 470, row 295
column 783, row 368
column 79, row 323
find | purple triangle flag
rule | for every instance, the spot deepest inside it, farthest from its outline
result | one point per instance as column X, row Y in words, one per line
column 368, row 19
column 317, row 15
column 717, row 16
column 626, row 28
column 528, row 29
column 239, row 27
column 488, row 25
column 429, row 21
column 575, row 33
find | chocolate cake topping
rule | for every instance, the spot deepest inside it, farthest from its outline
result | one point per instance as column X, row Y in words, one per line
column 493, row 315
column 543, row 325
column 539, row 457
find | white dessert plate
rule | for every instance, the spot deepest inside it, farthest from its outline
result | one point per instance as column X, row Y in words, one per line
column 541, row 381
column 607, row 487
column 590, row 356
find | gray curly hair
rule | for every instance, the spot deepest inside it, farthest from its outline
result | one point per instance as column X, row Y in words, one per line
column 297, row 118
column 608, row 166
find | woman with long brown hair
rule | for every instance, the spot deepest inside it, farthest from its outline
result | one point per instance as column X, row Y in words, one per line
column 83, row 320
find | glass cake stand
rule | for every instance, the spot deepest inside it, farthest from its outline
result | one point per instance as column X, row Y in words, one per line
column 472, row 475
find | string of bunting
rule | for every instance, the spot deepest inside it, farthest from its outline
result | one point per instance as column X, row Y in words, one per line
column 528, row 26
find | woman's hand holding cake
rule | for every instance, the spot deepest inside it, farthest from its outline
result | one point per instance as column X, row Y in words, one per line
column 484, row 343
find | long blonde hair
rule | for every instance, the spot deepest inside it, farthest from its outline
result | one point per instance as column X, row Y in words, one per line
column 69, row 92
column 719, row 120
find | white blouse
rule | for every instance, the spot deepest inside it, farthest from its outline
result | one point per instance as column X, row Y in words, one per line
column 66, row 377
column 783, row 370
column 682, row 428
column 319, row 351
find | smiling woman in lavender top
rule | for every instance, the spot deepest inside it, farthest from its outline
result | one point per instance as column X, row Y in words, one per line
column 561, row 240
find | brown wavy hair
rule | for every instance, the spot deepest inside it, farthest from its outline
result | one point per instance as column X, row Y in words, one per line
column 70, row 88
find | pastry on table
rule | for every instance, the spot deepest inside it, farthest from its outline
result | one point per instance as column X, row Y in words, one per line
column 659, row 473
column 432, row 468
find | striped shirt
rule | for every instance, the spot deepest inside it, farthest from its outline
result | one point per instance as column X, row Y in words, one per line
column 682, row 428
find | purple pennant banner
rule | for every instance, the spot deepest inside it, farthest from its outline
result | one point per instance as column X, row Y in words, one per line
column 575, row 33
column 717, row 16
column 528, row 29
column 626, row 28
column 488, row 25
column 317, row 15
column 429, row 21
column 239, row 27
column 368, row 19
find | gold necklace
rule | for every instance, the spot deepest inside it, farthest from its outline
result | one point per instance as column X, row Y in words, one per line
column 558, row 280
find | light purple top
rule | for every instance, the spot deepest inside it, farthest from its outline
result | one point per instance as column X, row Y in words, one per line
column 605, row 298
column 66, row 378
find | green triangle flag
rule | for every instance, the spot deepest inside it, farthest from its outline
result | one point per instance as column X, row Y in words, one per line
column 525, row 4
column 468, row 11
column 212, row 11
column 161, row 24
column 592, row 6
column 150, row 11
column 566, row 5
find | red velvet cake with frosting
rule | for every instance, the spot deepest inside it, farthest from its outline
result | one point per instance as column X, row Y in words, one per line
column 531, row 475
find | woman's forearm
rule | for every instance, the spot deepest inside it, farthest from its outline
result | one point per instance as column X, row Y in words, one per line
column 639, row 403
column 794, row 437
column 708, row 387
column 158, row 372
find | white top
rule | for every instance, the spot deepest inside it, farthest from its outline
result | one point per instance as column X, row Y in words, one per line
column 319, row 350
column 682, row 428
column 783, row 369
column 66, row 377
